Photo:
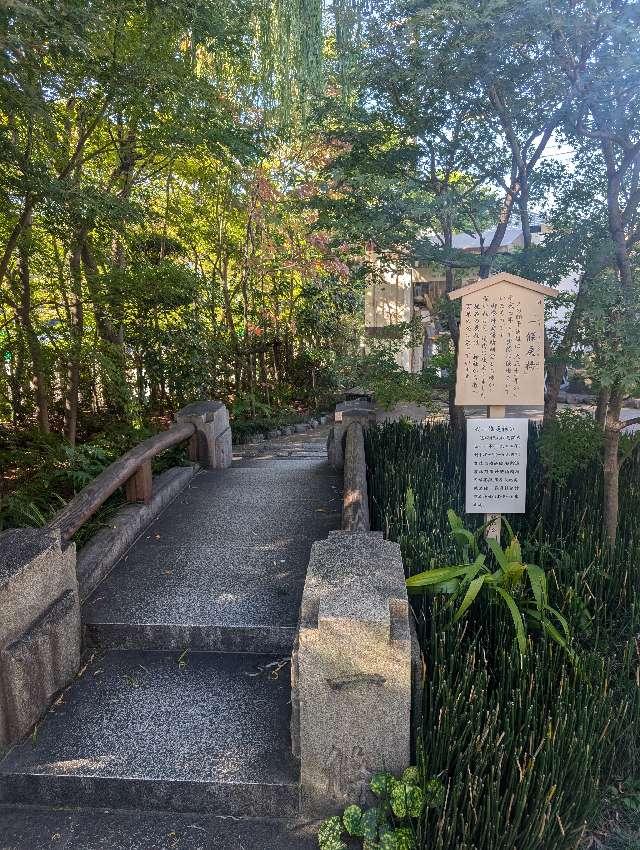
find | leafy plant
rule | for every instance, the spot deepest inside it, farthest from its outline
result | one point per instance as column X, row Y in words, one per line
column 506, row 584
column 570, row 442
column 627, row 795
column 390, row 824
column 380, row 372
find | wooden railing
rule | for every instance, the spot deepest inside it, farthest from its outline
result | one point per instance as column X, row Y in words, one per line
column 355, row 507
column 132, row 470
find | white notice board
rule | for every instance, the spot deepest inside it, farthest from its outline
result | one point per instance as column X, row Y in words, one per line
column 496, row 466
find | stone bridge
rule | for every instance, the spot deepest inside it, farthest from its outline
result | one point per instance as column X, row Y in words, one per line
column 224, row 662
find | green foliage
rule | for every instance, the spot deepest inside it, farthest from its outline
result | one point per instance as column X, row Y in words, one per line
column 42, row 472
column 526, row 744
column 472, row 576
column 571, row 442
column 389, row 825
column 379, row 371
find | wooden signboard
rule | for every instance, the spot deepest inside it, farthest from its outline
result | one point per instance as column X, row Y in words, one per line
column 496, row 466
column 501, row 351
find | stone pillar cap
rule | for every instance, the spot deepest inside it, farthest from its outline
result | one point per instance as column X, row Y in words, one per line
column 205, row 410
column 355, row 577
column 21, row 546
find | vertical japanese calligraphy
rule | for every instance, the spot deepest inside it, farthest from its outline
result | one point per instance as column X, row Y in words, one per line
column 496, row 466
column 501, row 353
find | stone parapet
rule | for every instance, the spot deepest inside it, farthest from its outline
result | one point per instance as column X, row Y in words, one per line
column 39, row 626
column 352, row 669
column 345, row 414
column 211, row 444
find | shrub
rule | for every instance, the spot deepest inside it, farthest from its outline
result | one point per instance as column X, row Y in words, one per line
column 571, row 442
column 391, row 823
column 505, row 582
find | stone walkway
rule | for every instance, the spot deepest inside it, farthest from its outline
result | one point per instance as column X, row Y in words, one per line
column 183, row 706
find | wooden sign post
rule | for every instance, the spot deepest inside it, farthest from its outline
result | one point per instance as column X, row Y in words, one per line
column 500, row 362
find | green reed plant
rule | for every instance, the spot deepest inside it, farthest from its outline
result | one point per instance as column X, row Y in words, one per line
column 522, row 743
column 506, row 583
column 526, row 744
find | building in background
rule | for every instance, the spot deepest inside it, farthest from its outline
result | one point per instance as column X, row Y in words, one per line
column 410, row 292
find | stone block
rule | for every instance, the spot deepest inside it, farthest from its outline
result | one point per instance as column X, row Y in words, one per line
column 39, row 628
column 352, row 669
column 40, row 662
column 335, row 446
column 210, row 444
column 224, row 449
column 300, row 428
column 313, row 423
column 323, row 420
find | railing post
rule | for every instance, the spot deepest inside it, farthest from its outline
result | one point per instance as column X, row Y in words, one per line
column 140, row 486
column 211, row 443
column 360, row 410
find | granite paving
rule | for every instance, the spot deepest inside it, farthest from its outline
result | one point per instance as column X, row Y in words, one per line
column 32, row 828
column 177, row 732
column 223, row 567
column 191, row 732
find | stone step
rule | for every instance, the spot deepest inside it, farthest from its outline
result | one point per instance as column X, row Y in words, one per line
column 192, row 732
column 32, row 828
column 223, row 568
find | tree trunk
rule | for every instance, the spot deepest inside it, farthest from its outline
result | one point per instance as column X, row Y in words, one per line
column 77, row 329
column 115, row 387
column 601, row 408
column 457, row 418
column 487, row 258
column 554, row 380
column 14, row 237
column 612, row 465
column 31, row 337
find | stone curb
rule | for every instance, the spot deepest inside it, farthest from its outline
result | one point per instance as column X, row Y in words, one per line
column 286, row 430
column 101, row 553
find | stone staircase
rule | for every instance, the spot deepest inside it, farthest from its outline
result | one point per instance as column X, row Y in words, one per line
column 179, row 724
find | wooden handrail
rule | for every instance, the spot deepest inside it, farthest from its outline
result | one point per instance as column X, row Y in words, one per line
column 132, row 469
column 355, row 506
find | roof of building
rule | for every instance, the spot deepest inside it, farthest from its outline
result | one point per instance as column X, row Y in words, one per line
column 468, row 242
column 464, row 241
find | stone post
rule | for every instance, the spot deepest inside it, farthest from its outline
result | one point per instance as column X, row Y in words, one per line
column 352, row 669
column 39, row 626
column 211, row 444
column 346, row 413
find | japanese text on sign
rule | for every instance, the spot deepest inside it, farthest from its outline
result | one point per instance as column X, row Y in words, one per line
column 501, row 357
column 496, row 466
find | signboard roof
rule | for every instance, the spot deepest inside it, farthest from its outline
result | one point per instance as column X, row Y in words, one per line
column 503, row 277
